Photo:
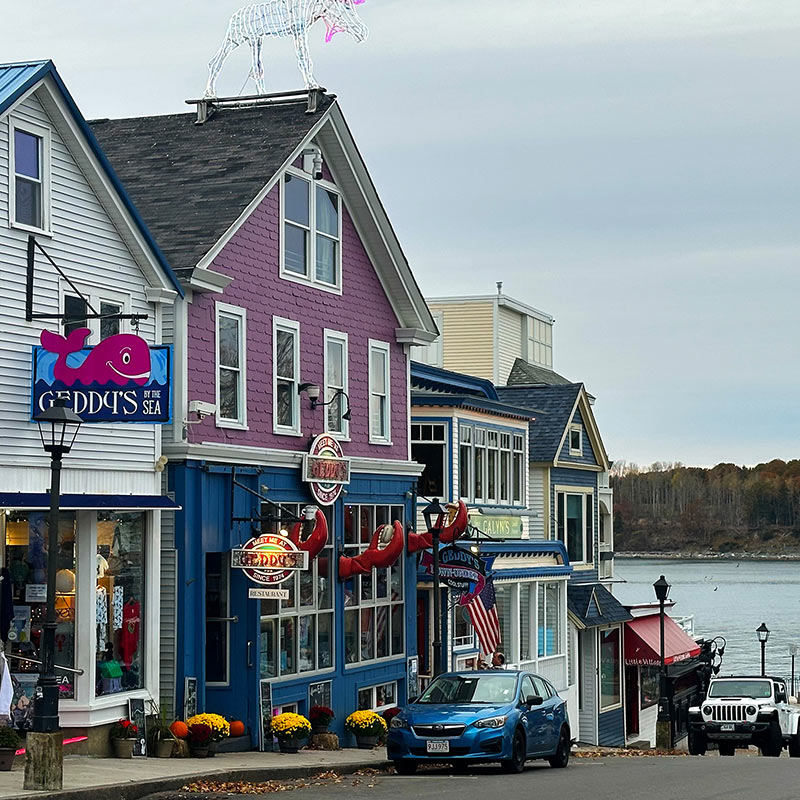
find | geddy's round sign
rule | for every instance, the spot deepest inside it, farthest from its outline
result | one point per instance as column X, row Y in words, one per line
column 269, row 559
column 325, row 469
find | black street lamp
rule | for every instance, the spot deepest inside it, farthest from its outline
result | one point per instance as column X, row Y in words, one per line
column 793, row 653
column 58, row 427
column 432, row 513
column 762, row 631
column 664, row 721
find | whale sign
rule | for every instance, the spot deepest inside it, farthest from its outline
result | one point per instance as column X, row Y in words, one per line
column 122, row 379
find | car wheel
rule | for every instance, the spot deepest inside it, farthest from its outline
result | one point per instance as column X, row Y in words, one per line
column 794, row 746
column 560, row 758
column 517, row 761
column 727, row 748
column 405, row 767
column 773, row 744
column 698, row 744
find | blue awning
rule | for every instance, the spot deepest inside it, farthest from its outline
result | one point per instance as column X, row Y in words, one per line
column 40, row 501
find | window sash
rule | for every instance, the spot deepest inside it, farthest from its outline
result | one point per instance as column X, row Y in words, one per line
column 29, row 208
column 336, row 360
column 379, row 388
column 230, row 376
column 285, row 399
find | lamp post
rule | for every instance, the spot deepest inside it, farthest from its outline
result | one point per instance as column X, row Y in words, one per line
column 793, row 653
column 664, row 721
column 44, row 758
column 762, row 631
column 432, row 513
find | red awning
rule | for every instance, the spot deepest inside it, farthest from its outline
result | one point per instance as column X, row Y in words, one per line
column 643, row 642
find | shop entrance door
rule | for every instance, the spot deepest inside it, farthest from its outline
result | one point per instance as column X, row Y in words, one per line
column 632, row 700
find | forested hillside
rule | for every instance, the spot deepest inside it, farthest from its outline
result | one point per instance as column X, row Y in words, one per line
column 671, row 507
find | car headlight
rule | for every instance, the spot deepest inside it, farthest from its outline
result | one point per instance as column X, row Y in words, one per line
column 491, row 722
column 398, row 722
column 707, row 710
column 750, row 710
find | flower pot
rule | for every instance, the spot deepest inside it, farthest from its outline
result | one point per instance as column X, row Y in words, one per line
column 319, row 728
column 212, row 748
column 164, row 748
column 123, row 748
column 198, row 752
column 7, row 758
column 366, row 742
column 289, row 745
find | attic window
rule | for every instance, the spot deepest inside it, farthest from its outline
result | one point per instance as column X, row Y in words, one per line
column 575, row 442
column 30, row 160
column 312, row 231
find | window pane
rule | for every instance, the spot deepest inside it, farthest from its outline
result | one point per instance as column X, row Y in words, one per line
column 398, row 622
column 267, row 658
column 284, row 354
column 479, row 461
column 109, row 327
column 295, row 249
column 228, row 341
column 575, row 527
column 351, row 637
column 296, row 199
column 327, row 255
column 306, row 640
column 397, row 580
column 378, row 414
column 216, row 610
column 75, row 309
column 306, row 588
column 540, row 621
column 335, row 364
column 492, row 475
column 364, row 699
column 366, row 586
column 378, row 371
column 288, row 642
column 325, row 639
column 504, row 594
column 551, row 620
column 386, row 694
column 367, row 633
column 27, row 151
column 327, row 212
column 464, row 464
column 525, row 622
column 382, row 631
column 228, row 394
column 431, row 482
column 381, row 583
column 504, row 456
column 609, row 668
column 324, row 589
column 335, row 411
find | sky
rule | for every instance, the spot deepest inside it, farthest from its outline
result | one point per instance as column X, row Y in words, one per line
column 629, row 166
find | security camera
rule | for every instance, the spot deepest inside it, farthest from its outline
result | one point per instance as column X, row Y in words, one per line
column 202, row 409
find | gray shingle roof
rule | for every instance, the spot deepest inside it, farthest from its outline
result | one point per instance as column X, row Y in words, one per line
column 553, row 410
column 594, row 605
column 524, row 373
column 191, row 182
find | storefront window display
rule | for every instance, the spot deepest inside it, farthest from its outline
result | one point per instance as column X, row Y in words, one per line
column 609, row 668
column 119, row 607
column 297, row 634
column 377, row 698
column 650, row 680
column 374, row 610
column 24, row 597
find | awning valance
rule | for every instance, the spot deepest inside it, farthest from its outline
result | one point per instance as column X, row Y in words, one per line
column 40, row 501
column 643, row 642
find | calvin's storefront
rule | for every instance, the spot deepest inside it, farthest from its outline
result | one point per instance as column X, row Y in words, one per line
column 327, row 640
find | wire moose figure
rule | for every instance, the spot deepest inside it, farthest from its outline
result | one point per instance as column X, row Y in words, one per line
column 285, row 18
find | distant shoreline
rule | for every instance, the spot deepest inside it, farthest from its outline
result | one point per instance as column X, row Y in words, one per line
column 707, row 556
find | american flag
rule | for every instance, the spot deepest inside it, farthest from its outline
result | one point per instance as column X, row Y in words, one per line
column 483, row 613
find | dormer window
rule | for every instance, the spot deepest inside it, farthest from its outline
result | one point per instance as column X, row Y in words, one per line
column 29, row 171
column 312, row 231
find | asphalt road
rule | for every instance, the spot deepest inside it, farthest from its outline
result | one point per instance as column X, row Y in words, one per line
column 608, row 778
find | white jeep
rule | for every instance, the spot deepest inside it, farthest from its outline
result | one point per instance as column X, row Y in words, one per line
column 740, row 711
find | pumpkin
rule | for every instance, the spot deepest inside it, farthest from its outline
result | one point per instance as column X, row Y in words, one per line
column 237, row 727
column 179, row 729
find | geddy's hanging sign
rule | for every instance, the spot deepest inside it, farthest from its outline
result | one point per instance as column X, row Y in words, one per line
column 459, row 569
column 122, row 379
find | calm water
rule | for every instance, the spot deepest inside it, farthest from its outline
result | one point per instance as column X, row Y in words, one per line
column 730, row 599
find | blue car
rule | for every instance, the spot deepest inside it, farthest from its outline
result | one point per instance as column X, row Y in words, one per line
column 479, row 716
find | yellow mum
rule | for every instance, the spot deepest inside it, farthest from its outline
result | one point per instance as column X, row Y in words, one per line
column 365, row 723
column 219, row 725
column 291, row 726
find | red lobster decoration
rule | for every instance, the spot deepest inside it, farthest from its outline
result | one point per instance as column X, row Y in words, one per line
column 447, row 534
column 391, row 537
column 317, row 539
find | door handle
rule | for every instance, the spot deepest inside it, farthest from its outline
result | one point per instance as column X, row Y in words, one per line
column 222, row 619
column 249, row 651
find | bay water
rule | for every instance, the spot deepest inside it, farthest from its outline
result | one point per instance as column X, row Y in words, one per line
column 727, row 598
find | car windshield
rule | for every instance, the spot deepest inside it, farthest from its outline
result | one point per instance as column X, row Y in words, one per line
column 761, row 689
column 489, row 689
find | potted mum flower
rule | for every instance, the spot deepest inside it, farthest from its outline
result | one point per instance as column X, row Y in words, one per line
column 9, row 744
column 200, row 738
column 123, row 735
column 320, row 717
column 220, row 728
column 367, row 727
column 291, row 730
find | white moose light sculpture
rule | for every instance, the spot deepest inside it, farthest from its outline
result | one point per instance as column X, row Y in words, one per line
column 285, row 18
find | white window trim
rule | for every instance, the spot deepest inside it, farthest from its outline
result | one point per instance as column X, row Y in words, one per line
column 241, row 314
column 310, row 278
column 577, row 490
column 14, row 124
column 336, row 336
column 374, row 689
column 601, row 708
column 280, row 323
column 95, row 295
column 375, row 344
column 576, row 451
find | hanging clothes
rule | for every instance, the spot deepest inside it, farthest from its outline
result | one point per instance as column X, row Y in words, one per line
column 129, row 639
column 6, row 687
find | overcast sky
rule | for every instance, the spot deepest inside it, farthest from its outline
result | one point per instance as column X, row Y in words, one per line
column 629, row 166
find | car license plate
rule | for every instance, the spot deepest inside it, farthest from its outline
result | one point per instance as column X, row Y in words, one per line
column 438, row 746
column 727, row 727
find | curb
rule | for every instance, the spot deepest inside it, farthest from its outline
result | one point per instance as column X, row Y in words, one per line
column 167, row 787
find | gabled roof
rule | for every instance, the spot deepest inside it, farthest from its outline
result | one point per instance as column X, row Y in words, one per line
column 528, row 374
column 197, row 184
column 591, row 605
column 16, row 81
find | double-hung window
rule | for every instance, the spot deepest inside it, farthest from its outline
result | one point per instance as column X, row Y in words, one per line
column 336, row 383
column 576, row 441
column 380, row 412
column 465, row 462
column 312, row 230
column 231, row 366
column 575, row 523
column 106, row 302
column 286, row 369
column 518, row 457
column 29, row 171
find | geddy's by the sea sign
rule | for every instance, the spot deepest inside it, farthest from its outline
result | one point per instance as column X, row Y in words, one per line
column 122, row 379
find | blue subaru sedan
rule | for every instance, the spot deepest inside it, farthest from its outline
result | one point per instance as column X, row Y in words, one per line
column 480, row 716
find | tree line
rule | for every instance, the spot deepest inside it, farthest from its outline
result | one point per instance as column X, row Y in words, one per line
column 704, row 501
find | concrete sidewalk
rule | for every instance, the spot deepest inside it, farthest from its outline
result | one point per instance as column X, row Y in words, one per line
column 87, row 778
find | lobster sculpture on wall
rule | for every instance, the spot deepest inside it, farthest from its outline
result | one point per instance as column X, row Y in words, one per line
column 384, row 549
column 316, row 540
column 457, row 519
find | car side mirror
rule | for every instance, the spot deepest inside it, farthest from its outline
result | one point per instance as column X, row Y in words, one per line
column 533, row 700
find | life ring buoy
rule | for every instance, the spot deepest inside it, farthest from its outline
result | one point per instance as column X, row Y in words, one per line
column 375, row 555
column 317, row 539
column 447, row 534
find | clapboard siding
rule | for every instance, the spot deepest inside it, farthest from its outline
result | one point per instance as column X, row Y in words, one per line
column 86, row 244
column 587, row 715
column 587, row 456
column 509, row 342
column 468, row 337
column 536, row 503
